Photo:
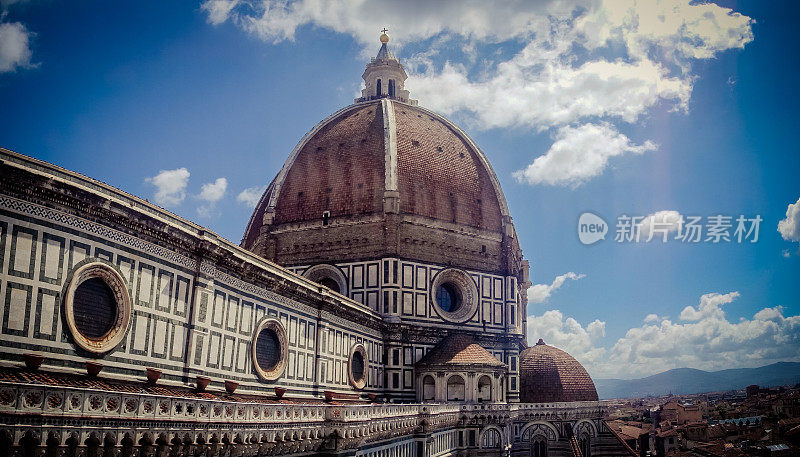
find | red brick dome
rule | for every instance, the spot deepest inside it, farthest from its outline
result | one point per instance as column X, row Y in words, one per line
column 548, row 374
column 384, row 178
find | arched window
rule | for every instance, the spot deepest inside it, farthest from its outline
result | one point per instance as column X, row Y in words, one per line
column 485, row 388
column 379, row 88
column 391, row 87
column 428, row 388
column 455, row 388
column 586, row 450
column 491, row 439
column 539, row 448
column 329, row 276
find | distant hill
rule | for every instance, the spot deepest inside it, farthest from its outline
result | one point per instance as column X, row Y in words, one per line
column 691, row 381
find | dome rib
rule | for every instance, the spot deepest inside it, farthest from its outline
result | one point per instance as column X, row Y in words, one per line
column 391, row 197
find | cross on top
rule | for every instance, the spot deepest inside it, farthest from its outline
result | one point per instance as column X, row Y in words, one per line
column 384, row 30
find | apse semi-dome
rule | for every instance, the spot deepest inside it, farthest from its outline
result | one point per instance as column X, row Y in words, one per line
column 548, row 374
column 385, row 178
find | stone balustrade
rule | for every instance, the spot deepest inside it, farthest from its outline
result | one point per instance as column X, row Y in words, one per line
column 71, row 401
column 63, row 415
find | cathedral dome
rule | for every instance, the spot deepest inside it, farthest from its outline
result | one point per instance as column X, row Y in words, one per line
column 342, row 168
column 384, row 177
column 548, row 374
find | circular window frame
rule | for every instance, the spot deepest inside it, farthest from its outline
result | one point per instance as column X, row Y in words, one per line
column 465, row 287
column 276, row 371
column 325, row 270
column 89, row 269
column 360, row 384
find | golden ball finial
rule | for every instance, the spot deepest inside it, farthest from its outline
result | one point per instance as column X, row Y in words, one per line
column 384, row 37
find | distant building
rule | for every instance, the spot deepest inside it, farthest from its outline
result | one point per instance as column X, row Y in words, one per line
column 788, row 405
column 678, row 413
column 752, row 390
column 666, row 442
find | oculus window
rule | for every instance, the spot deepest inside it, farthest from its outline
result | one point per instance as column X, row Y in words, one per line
column 269, row 349
column 97, row 306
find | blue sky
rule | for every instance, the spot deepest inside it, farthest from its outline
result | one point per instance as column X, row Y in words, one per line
column 678, row 109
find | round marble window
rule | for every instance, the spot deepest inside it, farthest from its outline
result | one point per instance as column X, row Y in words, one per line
column 454, row 295
column 357, row 366
column 269, row 349
column 97, row 306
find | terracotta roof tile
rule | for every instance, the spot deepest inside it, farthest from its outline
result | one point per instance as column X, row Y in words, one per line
column 340, row 169
column 548, row 374
column 459, row 349
column 439, row 175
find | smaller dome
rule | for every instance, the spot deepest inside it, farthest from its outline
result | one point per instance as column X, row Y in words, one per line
column 459, row 349
column 548, row 374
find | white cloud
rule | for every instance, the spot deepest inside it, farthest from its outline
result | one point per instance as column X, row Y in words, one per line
column 578, row 154
column 218, row 10
column 596, row 329
column 704, row 338
column 538, row 90
column 769, row 314
column 251, row 196
column 569, row 335
column 15, row 51
column 211, row 193
column 710, row 307
column 658, row 226
column 538, row 293
column 277, row 20
column 588, row 62
column 677, row 30
column 170, row 186
column 789, row 227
